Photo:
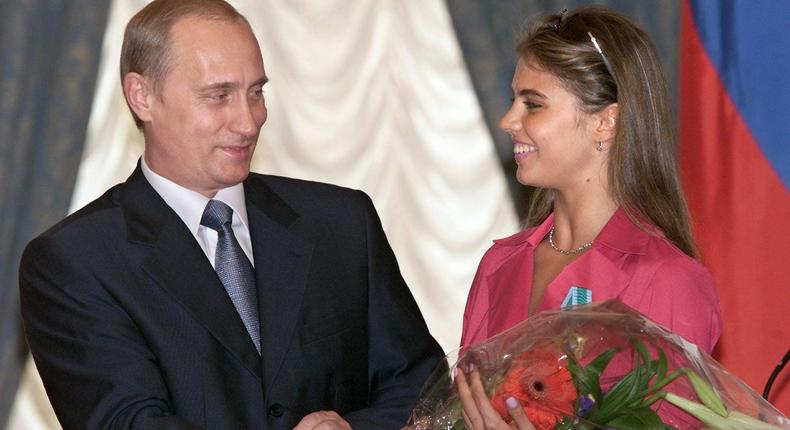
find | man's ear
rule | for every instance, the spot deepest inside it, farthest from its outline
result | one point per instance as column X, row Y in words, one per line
column 606, row 123
column 139, row 94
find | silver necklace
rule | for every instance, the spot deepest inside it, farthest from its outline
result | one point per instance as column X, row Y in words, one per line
column 566, row 251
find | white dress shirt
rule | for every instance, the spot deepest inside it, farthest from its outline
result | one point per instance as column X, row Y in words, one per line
column 189, row 206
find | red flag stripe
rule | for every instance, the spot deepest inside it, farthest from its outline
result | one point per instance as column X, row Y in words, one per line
column 740, row 210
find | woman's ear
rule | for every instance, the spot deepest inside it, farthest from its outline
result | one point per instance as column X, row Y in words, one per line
column 606, row 123
column 137, row 90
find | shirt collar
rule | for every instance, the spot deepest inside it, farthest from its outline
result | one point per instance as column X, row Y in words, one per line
column 623, row 235
column 188, row 204
column 619, row 233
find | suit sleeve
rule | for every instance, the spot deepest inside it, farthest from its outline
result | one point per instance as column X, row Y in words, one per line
column 97, row 370
column 402, row 353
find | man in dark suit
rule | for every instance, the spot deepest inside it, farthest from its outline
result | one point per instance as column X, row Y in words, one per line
column 199, row 295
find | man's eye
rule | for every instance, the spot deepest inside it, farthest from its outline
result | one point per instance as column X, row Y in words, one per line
column 531, row 105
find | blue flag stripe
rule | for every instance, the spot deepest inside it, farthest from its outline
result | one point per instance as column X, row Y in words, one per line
column 749, row 45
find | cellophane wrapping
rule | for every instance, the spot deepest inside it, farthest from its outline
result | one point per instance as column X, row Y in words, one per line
column 596, row 366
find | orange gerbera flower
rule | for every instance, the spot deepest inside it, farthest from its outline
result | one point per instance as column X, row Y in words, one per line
column 540, row 381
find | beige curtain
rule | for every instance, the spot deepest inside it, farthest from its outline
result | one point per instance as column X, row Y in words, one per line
column 369, row 94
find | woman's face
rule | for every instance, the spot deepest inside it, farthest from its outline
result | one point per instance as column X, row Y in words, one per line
column 553, row 139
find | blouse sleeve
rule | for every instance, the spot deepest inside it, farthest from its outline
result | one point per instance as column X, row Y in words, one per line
column 681, row 297
column 474, row 326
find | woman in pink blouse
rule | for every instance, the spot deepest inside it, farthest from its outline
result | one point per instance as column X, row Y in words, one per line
column 591, row 129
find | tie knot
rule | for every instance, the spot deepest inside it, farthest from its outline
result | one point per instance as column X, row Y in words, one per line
column 216, row 215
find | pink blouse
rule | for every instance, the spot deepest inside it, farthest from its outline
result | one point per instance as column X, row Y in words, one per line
column 644, row 271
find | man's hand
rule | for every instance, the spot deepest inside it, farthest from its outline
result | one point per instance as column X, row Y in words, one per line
column 323, row 420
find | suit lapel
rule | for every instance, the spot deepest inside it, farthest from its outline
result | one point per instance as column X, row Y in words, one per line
column 176, row 263
column 283, row 247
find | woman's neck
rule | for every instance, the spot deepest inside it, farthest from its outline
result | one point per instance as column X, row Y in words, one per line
column 579, row 217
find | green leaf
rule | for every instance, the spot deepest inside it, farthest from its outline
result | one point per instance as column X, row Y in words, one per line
column 595, row 369
column 629, row 390
column 580, row 378
column 617, row 397
column 632, row 389
column 652, row 399
column 642, row 350
column 637, row 419
column 734, row 421
column 600, row 362
column 657, row 385
column 706, row 393
column 647, row 372
column 661, row 366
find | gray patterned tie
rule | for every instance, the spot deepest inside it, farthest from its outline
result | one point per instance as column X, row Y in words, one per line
column 233, row 267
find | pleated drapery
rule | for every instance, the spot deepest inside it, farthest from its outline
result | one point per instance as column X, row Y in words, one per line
column 49, row 52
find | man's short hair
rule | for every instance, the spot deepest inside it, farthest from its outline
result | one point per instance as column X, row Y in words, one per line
column 146, row 41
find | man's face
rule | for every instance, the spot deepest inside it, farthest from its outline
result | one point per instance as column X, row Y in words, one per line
column 209, row 109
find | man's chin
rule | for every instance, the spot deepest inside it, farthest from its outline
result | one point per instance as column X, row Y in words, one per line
column 231, row 180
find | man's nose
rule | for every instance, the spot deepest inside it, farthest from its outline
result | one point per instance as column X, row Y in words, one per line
column 247, row 119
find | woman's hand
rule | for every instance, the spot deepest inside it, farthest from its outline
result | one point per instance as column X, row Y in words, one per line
column 477, row 410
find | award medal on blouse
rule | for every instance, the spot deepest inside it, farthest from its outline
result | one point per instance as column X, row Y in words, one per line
column 576, row 296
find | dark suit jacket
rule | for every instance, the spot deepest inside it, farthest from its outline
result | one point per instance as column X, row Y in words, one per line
column 130, row 327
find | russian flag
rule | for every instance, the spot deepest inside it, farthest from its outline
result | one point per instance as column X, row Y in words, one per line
column 735, row 161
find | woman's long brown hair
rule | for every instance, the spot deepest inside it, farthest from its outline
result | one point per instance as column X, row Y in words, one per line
column 643, row 165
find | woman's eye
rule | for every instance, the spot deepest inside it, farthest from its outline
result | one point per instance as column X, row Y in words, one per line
column 531, row 105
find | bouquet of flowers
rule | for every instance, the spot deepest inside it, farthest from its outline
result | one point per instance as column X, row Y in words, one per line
column 597, row 366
